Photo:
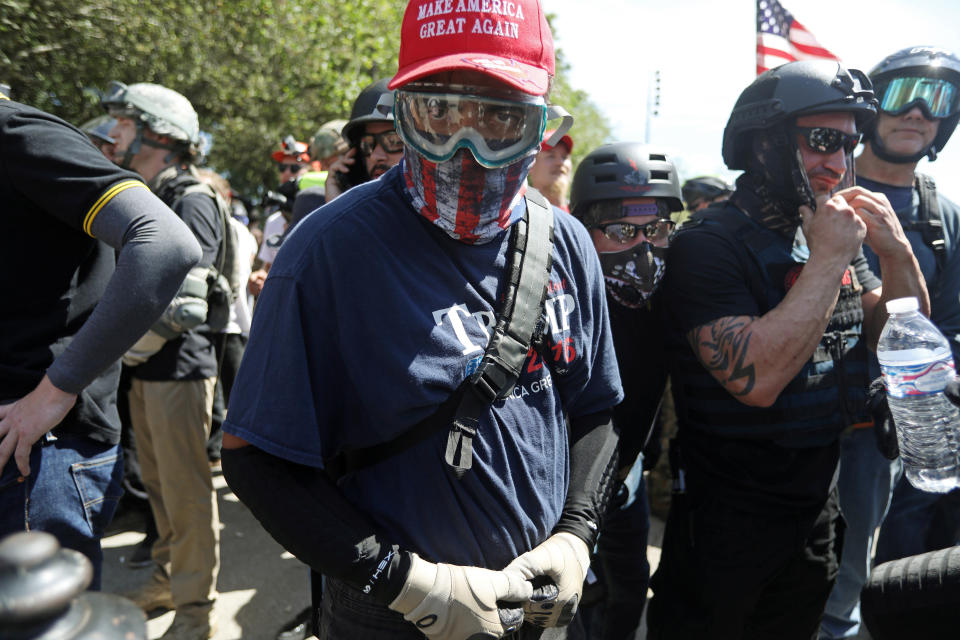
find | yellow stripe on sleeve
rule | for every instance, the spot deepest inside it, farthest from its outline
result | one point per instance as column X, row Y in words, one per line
column 107, row 196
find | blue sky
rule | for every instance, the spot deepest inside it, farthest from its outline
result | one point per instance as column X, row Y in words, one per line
column 705, row 52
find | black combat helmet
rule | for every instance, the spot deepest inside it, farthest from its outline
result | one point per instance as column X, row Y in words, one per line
column 696, row 190
column 758, row 136
column 918, row 63
column 365, row 110
column 99, row 128
column 623, row 170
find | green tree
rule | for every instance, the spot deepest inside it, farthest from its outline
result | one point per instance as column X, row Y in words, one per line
column 255, row 70
column 590, row 126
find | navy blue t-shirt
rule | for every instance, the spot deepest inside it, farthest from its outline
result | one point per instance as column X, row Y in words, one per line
column 369, row 320
column 943, row 287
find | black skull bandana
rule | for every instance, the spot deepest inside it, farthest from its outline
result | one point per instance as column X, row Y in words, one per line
column 632, row 275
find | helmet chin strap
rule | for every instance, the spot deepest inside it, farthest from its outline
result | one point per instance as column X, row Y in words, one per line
column 142, row 141
column 134, row 147
column 880, row 150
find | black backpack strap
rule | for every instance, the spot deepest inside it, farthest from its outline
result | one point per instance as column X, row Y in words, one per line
column 929, row 222
column 530, row 255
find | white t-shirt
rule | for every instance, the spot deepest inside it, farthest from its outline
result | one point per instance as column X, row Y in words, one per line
column 272, row 234
column 242, row 311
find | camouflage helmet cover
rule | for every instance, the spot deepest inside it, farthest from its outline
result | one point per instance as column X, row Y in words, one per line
column 163, row 110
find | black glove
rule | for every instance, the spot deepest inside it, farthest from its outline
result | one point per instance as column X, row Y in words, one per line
column 883, row 428
column 952, row 391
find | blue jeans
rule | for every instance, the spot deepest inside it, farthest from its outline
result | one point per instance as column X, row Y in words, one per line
column 918, row 522
column 866, row 483
column 72, row 492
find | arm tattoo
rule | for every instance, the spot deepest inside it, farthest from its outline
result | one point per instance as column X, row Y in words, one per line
column 721, row 347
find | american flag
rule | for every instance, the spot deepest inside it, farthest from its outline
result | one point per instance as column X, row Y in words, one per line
column 781, row 39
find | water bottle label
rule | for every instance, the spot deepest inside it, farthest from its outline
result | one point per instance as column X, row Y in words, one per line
column 913, row 380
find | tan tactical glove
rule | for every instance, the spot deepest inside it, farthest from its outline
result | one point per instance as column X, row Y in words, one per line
column 564, row 559
column 455, row 603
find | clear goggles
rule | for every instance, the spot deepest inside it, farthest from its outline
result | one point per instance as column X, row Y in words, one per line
column 937, row 97
column 498, row 127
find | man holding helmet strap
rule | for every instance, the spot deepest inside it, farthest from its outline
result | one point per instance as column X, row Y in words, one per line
column 175, row 365
column 918, row 89
column 770, row 309
column 624, row 193
column 379, row 311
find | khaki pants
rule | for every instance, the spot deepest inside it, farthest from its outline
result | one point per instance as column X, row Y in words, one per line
column 171, row 422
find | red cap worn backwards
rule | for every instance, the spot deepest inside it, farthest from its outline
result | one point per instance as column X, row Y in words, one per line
column 507, row 39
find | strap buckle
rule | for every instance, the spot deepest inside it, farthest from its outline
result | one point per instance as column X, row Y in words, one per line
column 493, row 381
column 459, row 454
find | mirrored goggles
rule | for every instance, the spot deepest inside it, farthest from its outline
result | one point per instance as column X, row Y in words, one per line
column 827, row 141
column 499, row 127
column 937, row 97
column 656, row 232
column 389, row 141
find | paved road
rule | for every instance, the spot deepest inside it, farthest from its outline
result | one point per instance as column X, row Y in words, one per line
column 261, row 586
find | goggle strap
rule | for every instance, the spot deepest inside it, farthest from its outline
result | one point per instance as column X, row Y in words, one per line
column 554, row 112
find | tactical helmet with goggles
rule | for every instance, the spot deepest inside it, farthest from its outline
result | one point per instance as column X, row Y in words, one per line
column 924, row 77
column 164, row 111
column 761, row 134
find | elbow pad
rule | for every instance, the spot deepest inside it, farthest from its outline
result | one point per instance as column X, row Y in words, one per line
column 188, row 309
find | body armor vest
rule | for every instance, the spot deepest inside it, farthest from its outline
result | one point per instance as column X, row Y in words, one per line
column 829, row 393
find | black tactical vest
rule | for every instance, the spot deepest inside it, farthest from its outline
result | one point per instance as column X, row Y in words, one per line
column 827, row 395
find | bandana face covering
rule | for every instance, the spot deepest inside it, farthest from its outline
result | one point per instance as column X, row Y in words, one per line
column 470, row 203
column 633, row 275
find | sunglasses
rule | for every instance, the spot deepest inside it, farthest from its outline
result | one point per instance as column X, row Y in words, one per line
column 936, row 97
column 657, row 232
column 389, row 141
column 289, row 167
column 827, row 141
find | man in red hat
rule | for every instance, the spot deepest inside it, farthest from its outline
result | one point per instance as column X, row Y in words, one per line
column 293, row 161
column 550, row 174
column 371, row 333
column 292, row 158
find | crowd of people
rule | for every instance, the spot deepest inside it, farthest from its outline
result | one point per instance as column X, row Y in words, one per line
column 434, row 366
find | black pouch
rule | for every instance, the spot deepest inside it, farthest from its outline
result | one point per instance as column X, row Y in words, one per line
column 883, row 429
column 219, row 301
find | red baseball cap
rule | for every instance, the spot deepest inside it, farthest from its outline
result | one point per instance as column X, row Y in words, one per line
column 565, row 139
column 291, row 147
column 507, row 39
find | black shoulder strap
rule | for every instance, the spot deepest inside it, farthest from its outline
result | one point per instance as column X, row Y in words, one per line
column 929, row 222
column 530, row 256
column 226, row 253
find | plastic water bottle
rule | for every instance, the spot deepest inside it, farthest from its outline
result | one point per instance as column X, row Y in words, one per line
column 917, row 364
